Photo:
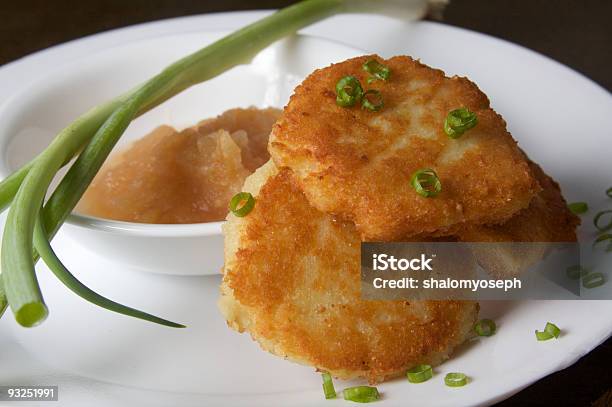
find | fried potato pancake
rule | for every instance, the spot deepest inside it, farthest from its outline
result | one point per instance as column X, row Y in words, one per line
column 292, row 280
column 358, row 164
column 546, row 220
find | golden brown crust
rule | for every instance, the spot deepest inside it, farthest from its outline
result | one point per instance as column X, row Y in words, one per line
column 547, row 219
column 292, row 280
column 357, row 164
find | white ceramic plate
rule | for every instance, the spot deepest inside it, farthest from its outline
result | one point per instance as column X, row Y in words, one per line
column 558, row 116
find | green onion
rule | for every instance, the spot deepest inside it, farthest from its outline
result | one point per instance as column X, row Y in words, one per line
column 542, row 335
column 22, row 289
column 43, row 247
column 603, row 238
column 20, row 281
column 426, row 182
column 3, row 302
column 419, row 374
column 374, row 103
column 603, row 228
column 485, row 327
column 28, row 186
column 377, row 70
column 33, row 180
column 593, row 280
column 577, row 271
column 81, row 173
column 242, row 204
column 609, row 192
column 361, row 394
column 82, row 129
column 552, row 329
column 589, row 280
column 328, row 386
column 455, row 379
column 459, row 121
column 578, row 208
column 348, row 91
column 243, row 43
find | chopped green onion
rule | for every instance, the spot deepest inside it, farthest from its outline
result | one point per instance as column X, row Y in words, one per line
column 374, row 103
column 485, row 327
column 361, row 394
column 426, row 182
column 328, row 386
column 603, row 238
column 455, row 379
column 419, row 374
column 593, row 280
column 552, row 329
column 348, row 91
column 577, row 271
column 242, row 204
column 578, row 208
column 543, row 335
column 377, row 70
column 603, row 228
column 609, row 192
column 459, row 121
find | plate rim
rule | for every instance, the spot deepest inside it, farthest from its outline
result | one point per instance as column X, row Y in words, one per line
column 258, row 13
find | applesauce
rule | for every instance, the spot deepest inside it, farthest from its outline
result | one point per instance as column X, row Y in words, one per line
column 186, row 176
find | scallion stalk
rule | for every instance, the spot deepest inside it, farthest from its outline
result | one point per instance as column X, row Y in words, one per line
column 20, row 282
column 235, row 49
column 28, row 186
column 81, row 130
column 295, row 17
column 3, row 302
column 61, row 272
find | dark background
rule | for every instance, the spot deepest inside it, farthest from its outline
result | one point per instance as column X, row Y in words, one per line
column 577, row 33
